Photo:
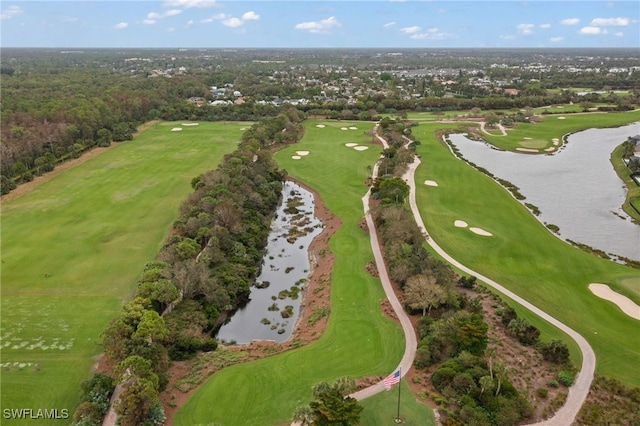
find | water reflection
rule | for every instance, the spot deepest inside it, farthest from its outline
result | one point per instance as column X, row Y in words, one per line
column 274, row 306
column 576, row 188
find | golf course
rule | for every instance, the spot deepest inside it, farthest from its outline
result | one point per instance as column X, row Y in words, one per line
column 73, row 248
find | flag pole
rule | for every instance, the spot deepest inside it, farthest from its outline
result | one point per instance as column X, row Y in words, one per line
column 398, row 419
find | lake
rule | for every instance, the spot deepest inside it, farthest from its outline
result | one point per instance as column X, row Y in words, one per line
column 576, row 188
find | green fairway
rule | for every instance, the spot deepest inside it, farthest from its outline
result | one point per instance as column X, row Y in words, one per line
column 541, row 135
column 358, row 341
column 382, row 409
column 523, row 255
column 72, row 250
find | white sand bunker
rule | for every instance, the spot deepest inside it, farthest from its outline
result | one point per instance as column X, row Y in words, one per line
column 555, row 141
column 350, row 144
column 320, row 126
column 296, row 157
column 431, row 183
column 623, row 302
column 190, row 124
column 176, row 129
column 343, row 128
column 551, row 148
column 561, row 118
column 360, row 148
column 527, row 139
column 353, row 128
column 243, row 128
column 481, row 231
column 460, row 224
column 526, row 149
column 302, row 153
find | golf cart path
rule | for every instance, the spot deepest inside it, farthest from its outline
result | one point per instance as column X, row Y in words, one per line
column 577, row 393
column 566, row 415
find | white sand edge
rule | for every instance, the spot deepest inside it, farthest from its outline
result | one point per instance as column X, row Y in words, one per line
column 296, row 157
column 527, row 149
column 561, row 118
column 481, row 231
column 351, row 144
column 176, row 129
column 320, row 126
column 625, row 304
column 460, row 224
column 360, row 148
column 302, row 153
column 431, row 183
column 353, row 128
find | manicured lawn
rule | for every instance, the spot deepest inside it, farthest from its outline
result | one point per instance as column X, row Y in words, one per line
column 556, row 126
column 381, row 409
column 72, row 250
column 358, row 341
column 524, row 256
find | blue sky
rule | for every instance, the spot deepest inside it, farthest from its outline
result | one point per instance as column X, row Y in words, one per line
column 303, row 23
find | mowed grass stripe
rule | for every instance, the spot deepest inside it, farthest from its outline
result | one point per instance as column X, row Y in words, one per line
column 358, row 340
column 552, row 127
column 73, row 248
column 525, row 257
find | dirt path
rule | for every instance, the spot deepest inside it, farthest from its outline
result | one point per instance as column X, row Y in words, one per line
column 580, row 389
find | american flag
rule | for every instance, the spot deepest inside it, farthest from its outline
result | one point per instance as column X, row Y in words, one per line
column 392, row 379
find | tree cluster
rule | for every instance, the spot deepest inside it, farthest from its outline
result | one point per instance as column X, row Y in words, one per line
column 331, row 405
column 203, row 271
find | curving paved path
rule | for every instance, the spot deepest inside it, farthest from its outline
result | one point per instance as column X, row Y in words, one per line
column 566, row 415
column 578, row 392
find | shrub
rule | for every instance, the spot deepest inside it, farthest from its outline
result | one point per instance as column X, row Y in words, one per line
column 555, row 351
column 553, row 383
column 542, row 392
column 565, row 378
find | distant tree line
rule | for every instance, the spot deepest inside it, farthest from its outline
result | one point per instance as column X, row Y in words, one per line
column 203, row 271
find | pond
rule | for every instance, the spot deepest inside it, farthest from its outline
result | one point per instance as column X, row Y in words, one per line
column 275, row 299
column 576, row 188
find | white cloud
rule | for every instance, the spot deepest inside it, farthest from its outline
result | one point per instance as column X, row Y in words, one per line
column 217, row 17
column 619, row 34
column 323, row 26
column 410, row 30
column 389, row 24
column 592, row 30
column 431, row 34
column 232, row 22
column 152, row 18
column 172, row 12
column 121, row 25
column 525, row 29
column 10, row 12
column 187, row 4
column 570, row 21
column 610, row 22
column 250, row 16
column 545, row 26
column 190, row 23
column 556, row 39
column 507, row 37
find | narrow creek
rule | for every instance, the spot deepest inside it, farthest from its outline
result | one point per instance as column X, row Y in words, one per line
column 275, row 300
